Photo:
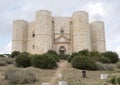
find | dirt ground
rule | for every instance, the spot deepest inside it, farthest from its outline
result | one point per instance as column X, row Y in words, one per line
column 69, row 74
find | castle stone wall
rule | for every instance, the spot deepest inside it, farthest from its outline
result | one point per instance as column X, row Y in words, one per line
column 62, row 23
column 31, row 39
column 47, row 32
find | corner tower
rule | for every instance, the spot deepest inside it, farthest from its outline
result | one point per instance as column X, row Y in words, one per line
column 97, row 36
column 43, row 31
column 81, row 31
column 19, row 39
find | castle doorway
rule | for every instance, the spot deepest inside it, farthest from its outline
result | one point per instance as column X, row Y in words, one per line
column 62, row 50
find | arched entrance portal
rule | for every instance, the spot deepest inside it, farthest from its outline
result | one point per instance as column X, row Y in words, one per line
column 62, row 50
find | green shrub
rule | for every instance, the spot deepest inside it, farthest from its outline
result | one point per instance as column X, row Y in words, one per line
column 5, row 55
column 118, row 65
column 113, row 56
column 15, row 54
column 8, row 55
column 84, row 52
column 64, row 57
column 26, row 53
column 19, row 76
column 44, row 61
column 101, row 66
column 3, row 63
column 109, row 67
column 94, row 53
column 9, row 60
column 104, row 59
column 23, row 60
column 84, row 63
column 36, row 60
column 95, row 58
column 54, row 55
column 72, row 56
column 1, row 55
column 52, row 52
column 118, row 80
column 113, row 80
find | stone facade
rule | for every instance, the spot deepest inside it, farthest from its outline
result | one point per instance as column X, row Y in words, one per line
column 65, row 35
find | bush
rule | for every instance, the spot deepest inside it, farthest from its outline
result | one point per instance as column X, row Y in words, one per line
column 114, row 80
column 9, row 60
column 3, row 63
column 52, row 52
column 15, row 54
column 23, row 60
column 36, row 60
column 84, row 52
column 18, row 76
column 54, row 55
column 95, row 58
column 72, row 56
column 113, row 56
column 84, row 63
column 44, row 61
column 104, row 59
column 101, row 66
column 26, row 53
column 118, row 65
column 5, row 55
column 118, row 80
column 94, row 53
column 64, row 57
column 1, row 55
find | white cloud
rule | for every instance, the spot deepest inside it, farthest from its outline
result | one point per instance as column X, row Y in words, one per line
column 25, row 9
column 118, row 50
column 96, row 10
column 6, row 49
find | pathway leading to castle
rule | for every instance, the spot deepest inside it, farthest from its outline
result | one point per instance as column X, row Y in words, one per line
column 61, row 66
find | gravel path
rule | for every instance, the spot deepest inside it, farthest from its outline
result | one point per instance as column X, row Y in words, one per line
column 61, row 66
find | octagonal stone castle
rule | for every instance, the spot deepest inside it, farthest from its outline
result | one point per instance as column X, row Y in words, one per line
column 65, row 35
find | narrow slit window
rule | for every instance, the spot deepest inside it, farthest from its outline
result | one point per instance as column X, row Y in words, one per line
column 62, row 31
column 33, row 46
column 33, row 34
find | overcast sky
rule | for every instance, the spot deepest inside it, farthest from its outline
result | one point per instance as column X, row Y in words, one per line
column 105, row 10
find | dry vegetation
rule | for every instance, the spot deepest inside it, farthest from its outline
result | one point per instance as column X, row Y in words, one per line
column 73, row 76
